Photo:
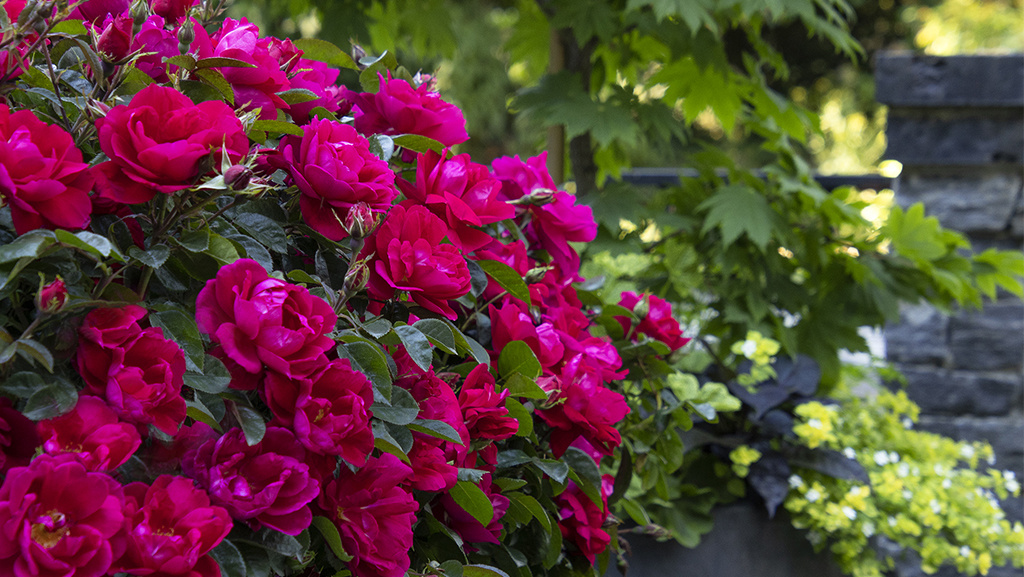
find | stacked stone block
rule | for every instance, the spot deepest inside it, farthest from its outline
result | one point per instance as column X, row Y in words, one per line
column 957, row 125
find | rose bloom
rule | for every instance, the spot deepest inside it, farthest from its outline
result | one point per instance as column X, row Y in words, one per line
column 42, row 176
column 137, row 371
column 471, row 530
column 658, row 323
column 374, row 515
column 171, row 529
column 432, row 457
column 512, row 322
column 319, row 79
column 268, row 482
column 580, row 520
column 116, row 36
column 59, row 520
column 171, row 10
column 92, row 432
column 329, row 411
column 586, row 408
column 18, row 438
column 460, row 192
column 162, row 142
column 483, row 408
column 260, row 320
column 96, row 10
column 334, row 169
column 156, row 43
column 398, row 108
column 409, row 256
column 255, row 87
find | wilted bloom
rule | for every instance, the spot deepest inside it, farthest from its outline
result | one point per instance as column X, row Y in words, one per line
column 52, row 296
column 658, row 321
column 162, row 142
column 92, row 432
column 374, row 515
column 172, row 527
column 334, row 169
column 42, row 176
column 409, row 256
column 260, row 320
column 398, row 108
column 57, row 519
column 267, row 483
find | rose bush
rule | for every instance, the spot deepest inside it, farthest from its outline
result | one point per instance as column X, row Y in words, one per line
column 258, row 323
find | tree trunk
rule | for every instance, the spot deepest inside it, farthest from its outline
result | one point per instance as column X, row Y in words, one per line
column 581, row 149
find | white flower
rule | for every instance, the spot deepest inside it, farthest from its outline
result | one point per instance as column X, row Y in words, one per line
column 815, row 423
column 936, row 506
column 965, row 551
column 850, row 513
column 894, row 457
column 892, row 521
column 749, row 348
column 1012, row 485
column 903, row 470
column 868, row 528
column 946, row 483
column 795, row 482
column 1009, row 475
column 907, row 423
column 881, row 458
column 991, row 460
column 850, row 453
column 967, row 451
column 812, row 495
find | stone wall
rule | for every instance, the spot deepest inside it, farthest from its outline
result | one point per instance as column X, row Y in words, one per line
column 957, row 125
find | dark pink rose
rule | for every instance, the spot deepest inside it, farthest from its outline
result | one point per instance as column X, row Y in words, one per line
column 658, row 323
column 136, row 371
column 521, row 177
column 267, row 483
column 319, row 79
column 580, row 520
column 582, row 406
column 162, row 142
column 116, row 36
column 52, row 297
column 460, row 192
column 374, row 515
column 433, row 458
column 284, row 52
column 465, row 524
column 262, row 321
column 409, row 256
column 42, row 176
column 329, row 411
column 483, row 407
column 398, row 108
column 96, row 10
column 14, row 8
column 254, row 87
column 18, row 438
column 59, row 520
column 157, row 43
column 93, row 433
column 171, row 10
column 171, row 529
column 334, row 169
column 431, row 470
column 511, row 322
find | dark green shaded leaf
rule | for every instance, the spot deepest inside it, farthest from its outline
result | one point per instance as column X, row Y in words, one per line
column 214, row 379
column 369, row 360
column 230, row 559
column 330, row 533
column 89, row 242
column 181, row 328
column 517, row 411
column 439, row 332
column 264, row 229
column 477, row 278
column 473, row 500
column 252, row 423
column 736, row 210
column 585, row 473
column 23, row 385
column 277, row 127
column 508, row 278
column 382, row 440
column 57, row 397
column 557, row 470
column 402, row 410
column 518, row 357
column 29, row 245
column 439, row 429
column 155, row 257
column 186, row 61
column 417, row 345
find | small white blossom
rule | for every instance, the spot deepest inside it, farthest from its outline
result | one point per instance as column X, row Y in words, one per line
column 850, row 453
column 991, row 460
column 1012, row 485
column 967, row 451
column 1009, row 475
column 868, row 528
column 849, row 512
column 936, row 506
column 903, row 470
column 815, row 423
column 812, row 495
column 892, row 521
column 795, row 481
column 907, row 423
column 749, row 348
column 946, row 483
column 894, row 457
column 881, row 458
column 965, row 551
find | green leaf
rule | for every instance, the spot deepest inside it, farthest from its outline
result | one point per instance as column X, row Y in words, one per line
column 252, row 423
column 222, row 62
column 277, row 126
column 557, row 470
column 222, row 250
column 23, row 384
column 482, row 571
column 331, row 535
column 473, row 500
column 533, row 506
column 35, row 351
column 181, row 328
column 298, row 96
column 524, row 387
column 383, row 441
column 323, row 51
column 439, row 429
column 369, row 360
column 416, row 344
column 464, row 344
column 517, row 411
column 230, row 559
column 276, row 541
column 508, row 278
column 738, row 209
column 89, row 242
column 72, row 27
column 402, row 410
column 440, row 333
column 200, row 91
column 29, row 245
column 214, row 379
column 417, row 143
column 186, row 61
column 264, row 229
column 382, row 146
column 518, row 357
column 376, row 67
column 216, row 79
column 585, row 473
column 560, row 99
column 194, row 240
column 57, row 397
column 155, row 257
column 197, row 410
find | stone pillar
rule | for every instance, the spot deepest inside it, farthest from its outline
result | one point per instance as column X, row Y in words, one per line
column 957, row 125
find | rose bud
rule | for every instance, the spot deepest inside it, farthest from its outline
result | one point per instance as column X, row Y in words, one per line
column 237, row 177
column 357, row 276
column 186, row 34
column 51, row 297
column 360, row 221
column 115, row 40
